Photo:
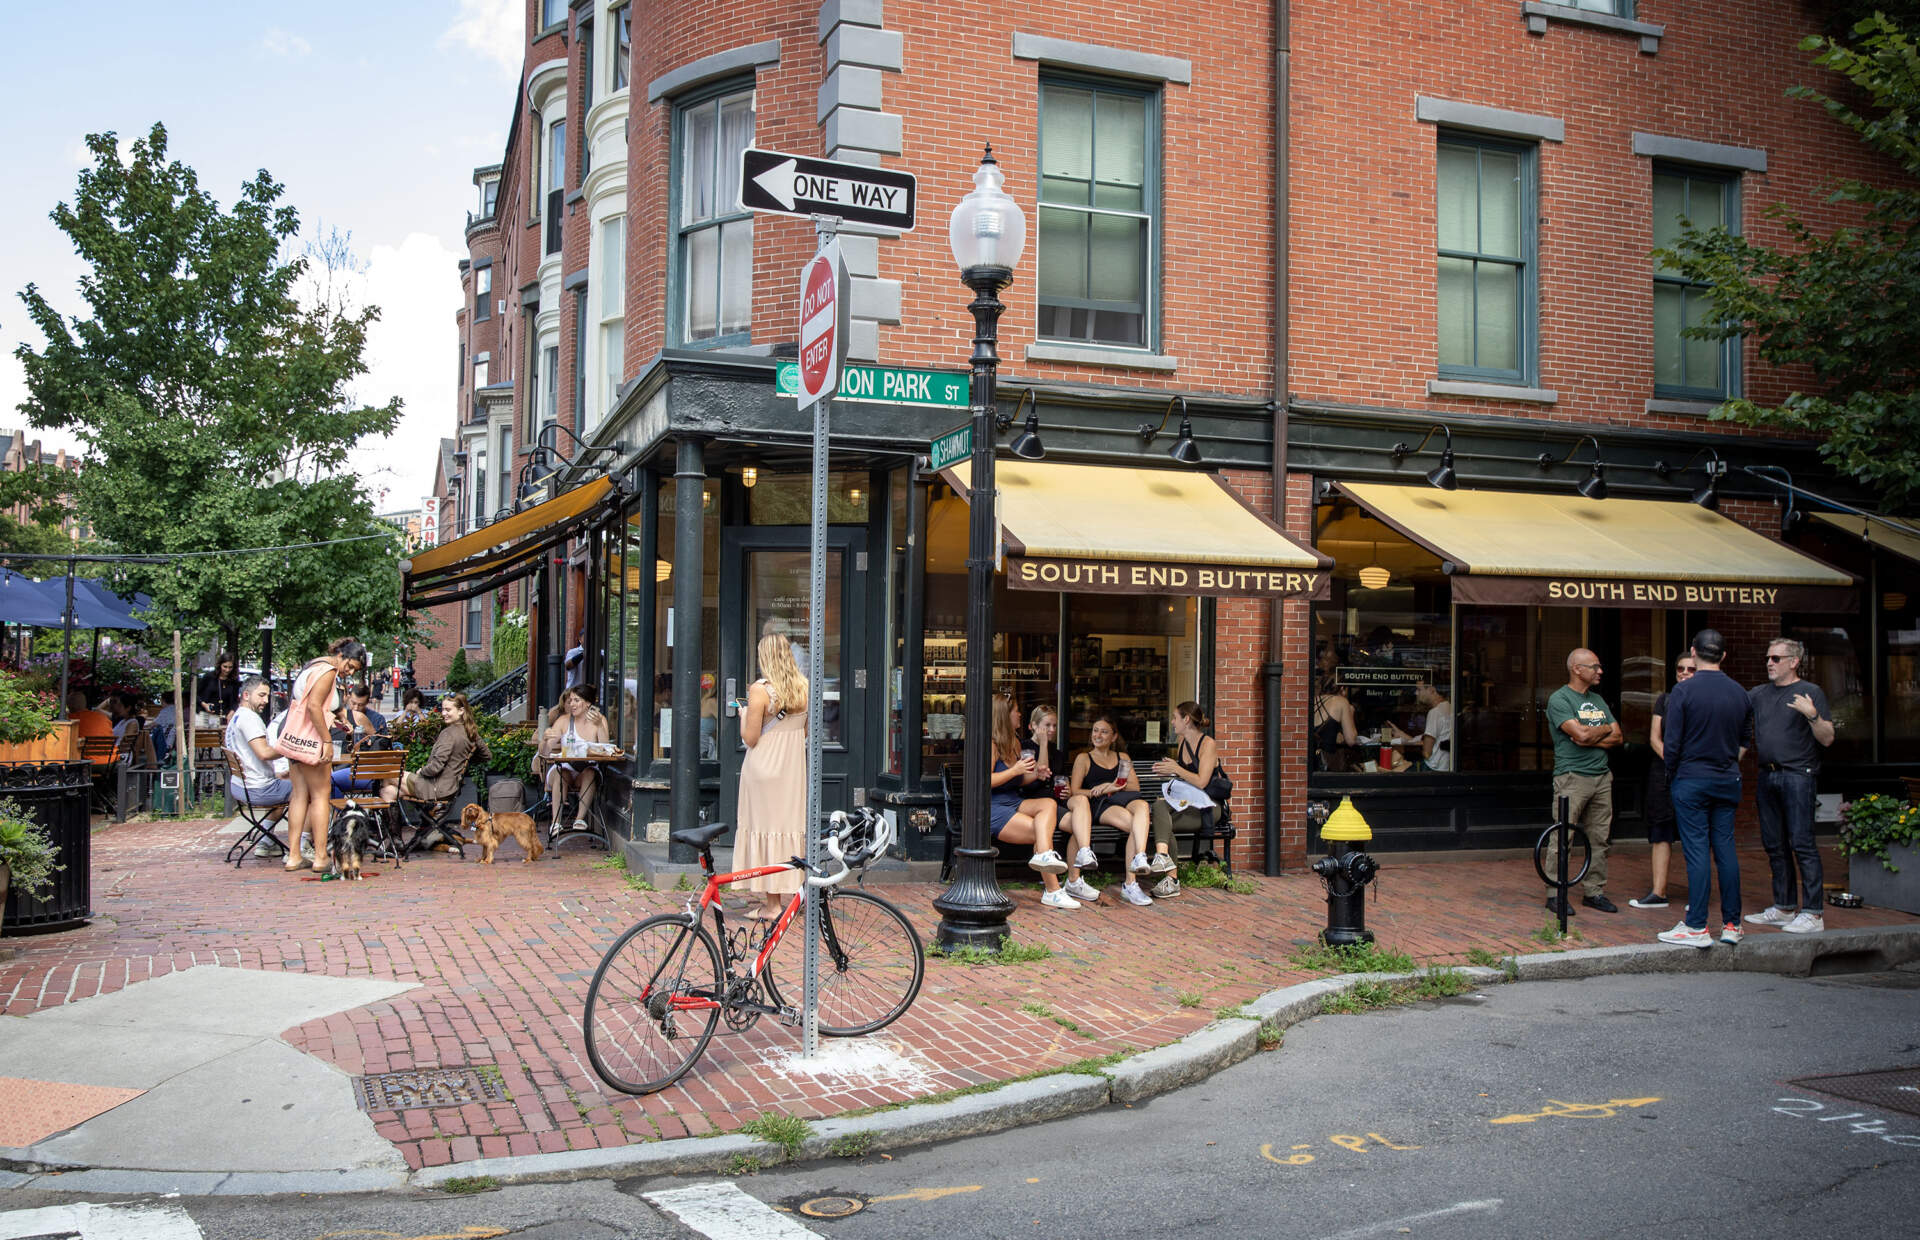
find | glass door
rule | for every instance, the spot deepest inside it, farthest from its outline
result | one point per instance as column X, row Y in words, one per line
column 767, row 570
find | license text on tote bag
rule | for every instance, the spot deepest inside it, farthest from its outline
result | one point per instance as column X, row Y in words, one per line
column 298, row 738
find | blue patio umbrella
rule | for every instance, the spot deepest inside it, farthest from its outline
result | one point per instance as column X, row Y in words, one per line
column 26, row 601
column 103, row 608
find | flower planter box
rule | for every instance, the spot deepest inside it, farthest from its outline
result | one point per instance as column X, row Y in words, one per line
column 1872, row 882
column 61, row 745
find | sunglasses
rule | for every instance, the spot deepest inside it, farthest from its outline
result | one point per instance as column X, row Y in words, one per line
column 1778, row 658
column 1684, row 671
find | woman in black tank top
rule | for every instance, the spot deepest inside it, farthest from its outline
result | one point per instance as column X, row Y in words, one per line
column 1199, row 759
column 1103, row 790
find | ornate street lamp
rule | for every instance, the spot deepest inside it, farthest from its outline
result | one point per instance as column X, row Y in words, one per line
column 988, row 231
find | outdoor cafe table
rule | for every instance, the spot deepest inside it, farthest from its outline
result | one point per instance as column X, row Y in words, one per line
column 555, row 831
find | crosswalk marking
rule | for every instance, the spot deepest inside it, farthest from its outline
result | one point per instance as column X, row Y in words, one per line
column 90, row 1221
column 719, row 1210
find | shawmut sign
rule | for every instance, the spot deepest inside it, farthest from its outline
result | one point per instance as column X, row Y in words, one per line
column 1025, row 572
column 1601, row 592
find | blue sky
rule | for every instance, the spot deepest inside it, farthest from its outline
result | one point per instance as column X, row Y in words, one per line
column 373, row 115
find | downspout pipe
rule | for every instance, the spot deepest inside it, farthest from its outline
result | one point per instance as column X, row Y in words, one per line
column 1272, row 671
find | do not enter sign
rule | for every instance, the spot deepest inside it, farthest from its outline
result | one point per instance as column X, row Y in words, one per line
column 823, row 327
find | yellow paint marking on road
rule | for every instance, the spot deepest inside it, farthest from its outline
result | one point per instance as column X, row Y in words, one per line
column 932, row 1194
column 1291, row 1160
column 1390, row 1145
column 1574, row 1110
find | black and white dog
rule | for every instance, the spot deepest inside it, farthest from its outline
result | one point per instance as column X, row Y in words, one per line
column 347, row 840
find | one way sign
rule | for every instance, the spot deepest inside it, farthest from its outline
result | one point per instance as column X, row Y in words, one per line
column 796, row 185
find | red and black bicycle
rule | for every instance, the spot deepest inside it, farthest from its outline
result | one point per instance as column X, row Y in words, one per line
column 664, row 986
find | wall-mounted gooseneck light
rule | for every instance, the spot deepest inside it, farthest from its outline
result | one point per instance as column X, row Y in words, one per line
column 1594, row 485
column 1184, row 449
column 1441, row 475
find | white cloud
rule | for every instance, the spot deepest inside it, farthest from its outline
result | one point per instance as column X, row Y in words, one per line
column 492, row 29
column 411, row 353
column 280, row 42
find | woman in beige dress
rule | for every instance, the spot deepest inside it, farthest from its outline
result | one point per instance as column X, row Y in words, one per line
column 773, row 779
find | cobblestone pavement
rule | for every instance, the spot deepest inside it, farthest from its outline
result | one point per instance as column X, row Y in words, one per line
column 502, row 955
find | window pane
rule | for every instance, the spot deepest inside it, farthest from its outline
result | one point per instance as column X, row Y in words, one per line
column 779, row 585
column 1498, row 317
column 622, row 46
column 1118, row 327
column 1458, row 192
column 702, row 280
column 557, row 157
column 1703, row 356
column 895, row 643
column 1667, row 299
column 696, row 191
column 613, row 266
column 1500, row 204
column 612, row 345
column 736, row 270
column 1121, row 152
column 1066, row 144
column 736, row 135
column 1669, row 204
column 1063, row 254
column 1119, row 254
column 1455, row 309
column 1707, row 203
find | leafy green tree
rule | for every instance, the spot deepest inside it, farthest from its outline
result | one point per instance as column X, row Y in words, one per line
column 459, row 675
column 41, row 489
column 1844, row 304
column 215, row 403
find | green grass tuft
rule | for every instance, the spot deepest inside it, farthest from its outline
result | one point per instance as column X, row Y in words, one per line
column 1549, row 933
column 1207, row 874
column 853, row 1145
column 743, row 1164
column 1188, row 998
column 1010, row 952
column 788, row 1132
column 1357, row 958
column 470, row 1184
column 1271, row 1036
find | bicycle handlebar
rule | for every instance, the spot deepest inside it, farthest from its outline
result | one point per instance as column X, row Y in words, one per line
column 846, row 824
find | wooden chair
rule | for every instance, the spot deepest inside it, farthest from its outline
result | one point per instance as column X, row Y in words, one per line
column 259, row 814
column 376, row 766
column 1913, row 788
column 210, row 755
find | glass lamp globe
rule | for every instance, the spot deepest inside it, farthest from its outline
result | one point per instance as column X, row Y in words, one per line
column 988, row 229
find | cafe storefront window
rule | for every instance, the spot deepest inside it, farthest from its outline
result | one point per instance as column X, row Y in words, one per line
column 665, row 623
column 899, row 544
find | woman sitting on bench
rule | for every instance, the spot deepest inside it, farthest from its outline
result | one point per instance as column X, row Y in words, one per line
column 1043, row 725
column 1103, row 790
column 1199, row 759
column 1017, row 818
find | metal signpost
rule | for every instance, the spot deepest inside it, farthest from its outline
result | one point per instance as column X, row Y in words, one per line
column 830, row 193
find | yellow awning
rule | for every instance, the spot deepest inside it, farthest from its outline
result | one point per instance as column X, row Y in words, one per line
column 1566, row 550
column 1108, row 529
column 499, row 549
column 1876, row 530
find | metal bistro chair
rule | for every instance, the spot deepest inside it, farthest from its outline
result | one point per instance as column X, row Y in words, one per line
column 378, row 766
column 104, row 752
column 209, row 752
column 259, row 815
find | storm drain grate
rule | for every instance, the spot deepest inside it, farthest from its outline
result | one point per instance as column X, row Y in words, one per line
column 428, row 1087
column 1891, row 1089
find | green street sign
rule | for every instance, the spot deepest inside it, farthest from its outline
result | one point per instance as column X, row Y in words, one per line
column 890, row 385
column 953, row 447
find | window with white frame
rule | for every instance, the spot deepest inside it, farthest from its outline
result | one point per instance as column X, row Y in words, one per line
column 549, row 385
column 1099, row 162
column 482, row 293
column 713, row 257
column 556, row 181
column 477, row 493
column 1684, row 368
column 621, row 29
column 480, row 363
column 612, row 285
column 506, row 467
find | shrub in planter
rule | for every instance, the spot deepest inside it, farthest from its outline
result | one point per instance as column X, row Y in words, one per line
column 1874, row 825
column 27, row 859
column 25, row 715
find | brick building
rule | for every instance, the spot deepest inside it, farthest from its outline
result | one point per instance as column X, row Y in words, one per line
column 1283, row 236
column 18, row 454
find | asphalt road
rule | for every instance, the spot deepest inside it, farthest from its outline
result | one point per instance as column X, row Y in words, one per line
column 1593, row 1108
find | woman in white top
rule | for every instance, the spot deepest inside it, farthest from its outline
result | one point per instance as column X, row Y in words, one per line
column 318, row 687
column 580, row 724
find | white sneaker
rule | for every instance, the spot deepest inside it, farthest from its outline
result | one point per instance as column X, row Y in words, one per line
column 1162, row 863
column 1081, row 890
column 1683, row 936
column 1773, row 916
column 1131, row 893
column 1806, row 922
column 1060, row 900
column 1048, row 862
column 1085, row 860
column 1168, row 886
column 1140, row 864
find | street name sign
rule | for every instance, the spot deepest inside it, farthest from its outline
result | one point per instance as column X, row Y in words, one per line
column 952, row 448
column 796, row 185
column 886, row 385
column 823, row 330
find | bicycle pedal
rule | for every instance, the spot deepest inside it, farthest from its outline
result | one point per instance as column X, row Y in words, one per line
column 790, row 1017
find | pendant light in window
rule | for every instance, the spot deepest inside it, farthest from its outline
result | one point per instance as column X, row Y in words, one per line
column 1375, row 575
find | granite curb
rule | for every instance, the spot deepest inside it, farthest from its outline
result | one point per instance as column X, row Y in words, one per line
column 1195, row 1057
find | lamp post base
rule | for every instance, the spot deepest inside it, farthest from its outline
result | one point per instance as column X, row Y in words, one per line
column 973, row 911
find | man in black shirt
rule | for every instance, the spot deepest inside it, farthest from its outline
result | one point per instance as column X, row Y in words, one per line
column 1707, row 726
column 1791, row 725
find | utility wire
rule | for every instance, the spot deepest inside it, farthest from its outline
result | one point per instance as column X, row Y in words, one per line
column 168, row 557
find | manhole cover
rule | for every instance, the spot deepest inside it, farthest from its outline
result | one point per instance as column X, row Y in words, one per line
column 831, row 1207
column 428, row 1087
column 1892, row 1089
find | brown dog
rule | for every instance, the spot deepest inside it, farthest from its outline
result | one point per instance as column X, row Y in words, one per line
column 488, row 830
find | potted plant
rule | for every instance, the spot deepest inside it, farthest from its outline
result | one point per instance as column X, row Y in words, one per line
column 1880, row 836
column 26, row 856
column 30, row 730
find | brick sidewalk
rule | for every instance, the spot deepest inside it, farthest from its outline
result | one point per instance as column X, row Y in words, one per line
column 502, row 956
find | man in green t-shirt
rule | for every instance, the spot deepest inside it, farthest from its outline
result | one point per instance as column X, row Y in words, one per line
column 1583, row 730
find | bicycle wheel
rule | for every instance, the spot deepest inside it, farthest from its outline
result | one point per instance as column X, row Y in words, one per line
column 871, row 964
column 653, row 1004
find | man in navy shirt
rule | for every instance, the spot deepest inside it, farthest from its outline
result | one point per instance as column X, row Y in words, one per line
column 1791, row 725
column 1709, row 723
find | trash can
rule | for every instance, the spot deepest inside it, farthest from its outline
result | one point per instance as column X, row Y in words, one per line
column 57, row 795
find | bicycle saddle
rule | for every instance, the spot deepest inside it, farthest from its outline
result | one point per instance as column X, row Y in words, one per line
column 701, row 837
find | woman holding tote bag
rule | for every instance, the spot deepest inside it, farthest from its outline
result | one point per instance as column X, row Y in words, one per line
column 304, row 734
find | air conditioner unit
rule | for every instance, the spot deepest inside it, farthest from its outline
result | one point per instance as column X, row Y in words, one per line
column 500, row 306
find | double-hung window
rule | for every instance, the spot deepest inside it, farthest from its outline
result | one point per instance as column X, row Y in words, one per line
column 549, row 385
column 1099, row 190
column 1683, row 368
column 1485, row 278
column 1616, row 8
column 552, row 13
column 556, row 181
column 586, row 97
column 713, row 237
column 482, row 293
column 621, row 22
column 612, row 291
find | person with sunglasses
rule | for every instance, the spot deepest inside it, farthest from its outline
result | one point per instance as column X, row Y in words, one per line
column 1657, row 808
column 1792, row 723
